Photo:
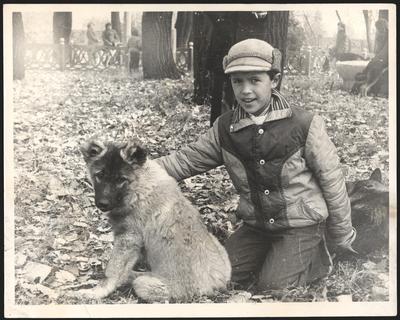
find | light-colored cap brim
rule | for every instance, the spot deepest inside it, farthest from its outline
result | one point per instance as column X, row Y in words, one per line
column 246, row 69
column 248, row 64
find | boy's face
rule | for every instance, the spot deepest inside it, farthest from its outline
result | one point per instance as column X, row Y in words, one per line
column 253, row 89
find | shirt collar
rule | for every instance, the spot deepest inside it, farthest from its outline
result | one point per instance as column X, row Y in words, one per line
column 278, row 109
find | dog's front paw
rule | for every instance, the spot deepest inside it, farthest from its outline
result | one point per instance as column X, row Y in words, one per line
column 95, row 293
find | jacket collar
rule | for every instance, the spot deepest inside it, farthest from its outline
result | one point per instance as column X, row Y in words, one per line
column 278, row 109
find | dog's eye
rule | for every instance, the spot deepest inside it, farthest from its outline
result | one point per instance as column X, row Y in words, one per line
column 99, row 175
column 121, row 181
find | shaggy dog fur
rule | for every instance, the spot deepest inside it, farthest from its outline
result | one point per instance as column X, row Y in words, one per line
column 148, row 211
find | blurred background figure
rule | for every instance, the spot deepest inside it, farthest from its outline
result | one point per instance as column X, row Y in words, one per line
column 110, row 40
column 342, row 49
column 91, row 34
column 110, row 36
column 92, row 41
column 134, row 47
column 343, row 43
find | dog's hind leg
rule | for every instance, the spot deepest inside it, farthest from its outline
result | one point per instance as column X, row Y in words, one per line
column 151, row 288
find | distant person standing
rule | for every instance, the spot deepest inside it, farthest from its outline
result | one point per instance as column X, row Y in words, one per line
column 134, row 47
column 343, row 43
column 91, row 34
column 92, row 41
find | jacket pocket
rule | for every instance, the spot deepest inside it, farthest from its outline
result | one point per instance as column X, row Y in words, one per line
column 310, row 212
column 300, row 214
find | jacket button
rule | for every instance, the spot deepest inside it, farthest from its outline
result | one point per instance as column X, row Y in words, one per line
column 266, row 192
column 271, row 221
column 260, row 131
column 262, row 161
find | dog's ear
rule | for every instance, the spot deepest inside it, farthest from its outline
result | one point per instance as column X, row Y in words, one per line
column 376, row 175
column 92, row 150
column 134, row 154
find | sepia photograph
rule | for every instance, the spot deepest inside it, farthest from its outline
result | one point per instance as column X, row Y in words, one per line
column 200, row 160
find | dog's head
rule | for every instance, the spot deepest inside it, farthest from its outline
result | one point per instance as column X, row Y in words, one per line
column 112, row 168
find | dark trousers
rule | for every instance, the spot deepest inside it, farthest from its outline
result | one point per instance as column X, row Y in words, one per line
column 264, row 260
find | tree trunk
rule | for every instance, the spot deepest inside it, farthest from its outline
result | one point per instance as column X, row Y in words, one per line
column 368, row 20
column 157, row 59
column 381, row 34
column 62, row 25
column 202, row 30
column 116, row 23
column 384, row 14
column 223, row 37
column 184, row 26
column 18, row 46
column 214, row 34
column 127, row 26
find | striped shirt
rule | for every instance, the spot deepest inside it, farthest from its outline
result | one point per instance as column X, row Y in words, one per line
column 278, row 108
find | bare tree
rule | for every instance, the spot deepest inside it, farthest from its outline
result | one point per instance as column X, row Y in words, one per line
column 62, row 26
column 384, row 14
column 381, row 34
column 18, row 46
column 157, row 58
column 183, row 26
column 368, row 22
column 116, row 23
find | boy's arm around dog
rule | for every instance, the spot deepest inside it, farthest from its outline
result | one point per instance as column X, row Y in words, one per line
column 322, row 158
column 320, row 155
column 195, row 158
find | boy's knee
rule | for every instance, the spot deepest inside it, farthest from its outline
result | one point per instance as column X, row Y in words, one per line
column 281, row 280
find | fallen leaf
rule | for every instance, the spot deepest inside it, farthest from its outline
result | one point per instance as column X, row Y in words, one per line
column 36, row 272
column 81, row 224
column 52, row 294
column 20, row 260
column 65, row 257
column 379, row 293
column 345, row 298
column 63, row 276
column 369, row 265
column 239, row 297
column 108, row 237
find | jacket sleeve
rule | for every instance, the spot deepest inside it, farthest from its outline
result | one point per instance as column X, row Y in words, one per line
column 198, row 157
column 321, row 156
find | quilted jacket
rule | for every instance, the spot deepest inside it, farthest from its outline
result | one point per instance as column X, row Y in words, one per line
column 286, row 170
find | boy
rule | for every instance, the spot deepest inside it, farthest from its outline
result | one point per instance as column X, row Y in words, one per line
column 285, row 169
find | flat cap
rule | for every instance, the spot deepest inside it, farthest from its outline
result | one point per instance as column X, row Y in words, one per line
column 252, row 55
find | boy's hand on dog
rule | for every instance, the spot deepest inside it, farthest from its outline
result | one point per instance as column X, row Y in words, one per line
column 346, row 248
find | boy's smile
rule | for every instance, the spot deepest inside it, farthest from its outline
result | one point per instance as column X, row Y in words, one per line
column 252, row 89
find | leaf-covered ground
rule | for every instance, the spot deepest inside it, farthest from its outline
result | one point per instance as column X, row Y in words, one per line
column 62, row 242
